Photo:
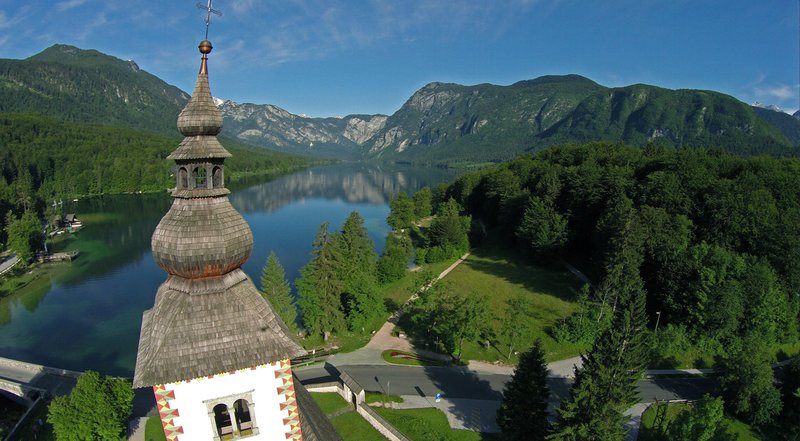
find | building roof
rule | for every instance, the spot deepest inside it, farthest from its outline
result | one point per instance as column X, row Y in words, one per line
column 203, row 327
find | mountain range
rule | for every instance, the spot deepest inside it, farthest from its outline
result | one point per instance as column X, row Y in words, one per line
column 441, row 123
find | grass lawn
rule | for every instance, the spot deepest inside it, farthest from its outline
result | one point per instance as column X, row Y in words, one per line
column 399, row 291
column 153, row 431
column 734, row 429
column 329, row 402
column 376, row 397
column 352, row 427
column 503, row 274
column 429, row 425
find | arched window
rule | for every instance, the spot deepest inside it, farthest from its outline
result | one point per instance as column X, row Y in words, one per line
column 199, row 175
column 222, row 419
column 217, row 177
column 183, row 178
column 243, row 419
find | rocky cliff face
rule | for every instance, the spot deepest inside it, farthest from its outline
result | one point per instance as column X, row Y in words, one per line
column 273, row 127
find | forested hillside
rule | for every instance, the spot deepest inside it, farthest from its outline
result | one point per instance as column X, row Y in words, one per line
column 450, row 123
column 44, row 159
column 88, row 86
column 712, row 237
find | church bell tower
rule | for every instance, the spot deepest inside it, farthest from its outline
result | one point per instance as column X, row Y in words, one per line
column 214, row 351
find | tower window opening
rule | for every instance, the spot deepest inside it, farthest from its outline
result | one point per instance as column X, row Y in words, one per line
column 222, row 419
column 217, row 174
column 243, row 419
column 183, row 178
column 199, row 175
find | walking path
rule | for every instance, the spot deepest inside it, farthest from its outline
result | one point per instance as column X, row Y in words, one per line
column 384, row 339
column 9, row 263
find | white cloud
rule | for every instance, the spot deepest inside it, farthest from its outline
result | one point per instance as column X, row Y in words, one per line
column 782, row 92
column 98, row 21
column 69, row 4
column 7, row 22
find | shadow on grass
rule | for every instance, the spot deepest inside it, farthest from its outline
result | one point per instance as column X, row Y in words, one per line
column 513, row 268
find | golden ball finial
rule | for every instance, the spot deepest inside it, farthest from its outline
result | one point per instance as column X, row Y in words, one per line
column 205, row 47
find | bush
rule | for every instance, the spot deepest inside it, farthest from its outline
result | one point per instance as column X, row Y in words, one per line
column 97, row 408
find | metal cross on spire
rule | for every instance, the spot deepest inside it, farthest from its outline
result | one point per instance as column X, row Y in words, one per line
column 209, row 10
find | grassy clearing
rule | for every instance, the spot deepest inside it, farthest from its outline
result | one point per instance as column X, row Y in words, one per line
column 429, row 424
column 329, row 402
column 394, row 356
column 375, row 397
column 352, row 427
column 153, row 430
column 395, row 294
column 503, row 274
column 734, row 429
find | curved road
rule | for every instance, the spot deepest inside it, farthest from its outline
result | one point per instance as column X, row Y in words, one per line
column 463, row 383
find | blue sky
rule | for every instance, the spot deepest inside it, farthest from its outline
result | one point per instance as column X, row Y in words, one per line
column 332, row 57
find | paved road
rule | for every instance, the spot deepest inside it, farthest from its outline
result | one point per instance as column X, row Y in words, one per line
column 428, row 381
column 8, row 263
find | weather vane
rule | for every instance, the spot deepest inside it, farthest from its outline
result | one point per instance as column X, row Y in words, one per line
column 209, row 10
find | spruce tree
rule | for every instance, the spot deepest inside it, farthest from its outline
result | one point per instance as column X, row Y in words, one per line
column 523, row 414
column 277, row 291
column 606, row 384
column 401, row 211
column 356, row 265
column 398, row 250
column 319, row 287
column 423, row 203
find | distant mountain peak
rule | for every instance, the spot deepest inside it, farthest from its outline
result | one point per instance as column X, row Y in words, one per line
column 767, row 106
column 556, row 79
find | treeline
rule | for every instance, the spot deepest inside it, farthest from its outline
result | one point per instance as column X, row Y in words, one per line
column 713, row 236
column 45, row 159
column 701, row 242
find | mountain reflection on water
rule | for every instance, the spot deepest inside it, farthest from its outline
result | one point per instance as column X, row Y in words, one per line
column 87, row 314
column 352, row 183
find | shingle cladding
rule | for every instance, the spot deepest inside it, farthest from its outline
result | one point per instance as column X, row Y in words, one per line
column 199, row 147
column 204, row 327
column 201, row 237
column 208, row 318
column 201, row 115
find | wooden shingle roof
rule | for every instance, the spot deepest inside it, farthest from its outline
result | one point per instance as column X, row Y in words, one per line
column 201, row 237
column 204, row 327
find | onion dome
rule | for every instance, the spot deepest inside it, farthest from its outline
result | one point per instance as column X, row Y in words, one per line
column 202, row 237
column 201, row 116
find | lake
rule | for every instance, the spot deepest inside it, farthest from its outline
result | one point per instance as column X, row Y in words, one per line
column 87, row 314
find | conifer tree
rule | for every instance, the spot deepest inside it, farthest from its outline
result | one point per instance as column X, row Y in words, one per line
column 401, row 211
column 356, row 265
column 606, row 384
column 319, row 287
column 392, row 264
column 423, row 203
column 523, row 414
column 277, row 291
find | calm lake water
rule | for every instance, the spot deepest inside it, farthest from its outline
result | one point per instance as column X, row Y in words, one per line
column 87, row 314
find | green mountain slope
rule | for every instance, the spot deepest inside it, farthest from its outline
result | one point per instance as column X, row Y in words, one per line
column 88, row 86
column 789, row 125
column 60, row 158
column 452, row 123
